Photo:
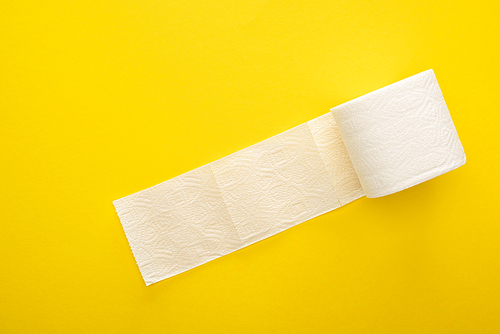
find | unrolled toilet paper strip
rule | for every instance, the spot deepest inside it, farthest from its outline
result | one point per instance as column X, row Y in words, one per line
column 378, row 144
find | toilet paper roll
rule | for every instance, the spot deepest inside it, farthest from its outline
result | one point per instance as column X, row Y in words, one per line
column 400, row 135
column 378, row 144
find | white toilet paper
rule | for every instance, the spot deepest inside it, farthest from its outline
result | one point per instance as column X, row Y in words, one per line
column 400, row 135
column 336, row 159
column 378, row 144
column 275, row 184
column 177, row 225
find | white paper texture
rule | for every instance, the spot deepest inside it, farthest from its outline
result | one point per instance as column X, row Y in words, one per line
column 400, row 135
column 177, row 225
column 378, row 144
column 336, row 159
column 274, row 185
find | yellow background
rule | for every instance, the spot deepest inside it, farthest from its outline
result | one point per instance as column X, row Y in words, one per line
column 100, row 99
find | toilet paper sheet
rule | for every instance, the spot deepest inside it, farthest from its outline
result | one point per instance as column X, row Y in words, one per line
column 380, row 143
